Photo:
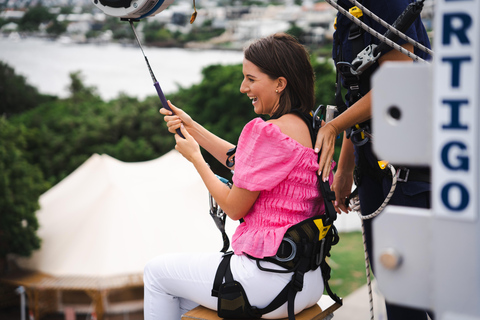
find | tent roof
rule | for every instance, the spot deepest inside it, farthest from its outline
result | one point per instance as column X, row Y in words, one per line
column 108, row 218
column 43, row 281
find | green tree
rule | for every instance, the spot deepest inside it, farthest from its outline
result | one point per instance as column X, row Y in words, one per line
column 78, row 90
column 155, row 32
column 120, row 29
column 325, row 90
column 16, row 94
column 64, row 133
column 217, row 103
column 204, row 32
column 66, row 9
column 57, row 28
column 21, row 184
column 296, row 31
column 34, row 17
column 324, row 81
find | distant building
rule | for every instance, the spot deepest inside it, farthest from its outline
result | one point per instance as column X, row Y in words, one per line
column 12, row 14
column 9, row 27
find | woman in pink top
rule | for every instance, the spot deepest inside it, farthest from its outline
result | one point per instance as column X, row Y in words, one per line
column 274, row 187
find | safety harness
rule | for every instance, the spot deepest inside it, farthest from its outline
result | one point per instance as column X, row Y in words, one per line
column 353, row 81
column 355, row 75
column 304, row 247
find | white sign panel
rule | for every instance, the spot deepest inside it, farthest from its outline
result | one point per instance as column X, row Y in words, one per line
column 455, row 110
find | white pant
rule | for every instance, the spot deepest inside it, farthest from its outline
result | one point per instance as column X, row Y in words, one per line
column 176, row 283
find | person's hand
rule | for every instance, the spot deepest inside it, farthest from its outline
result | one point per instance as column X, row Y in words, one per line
column 342, row 186
column 174, row 120
column 188, row 147
column 326, row 146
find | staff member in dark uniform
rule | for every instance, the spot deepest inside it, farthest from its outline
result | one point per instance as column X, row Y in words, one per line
column 373, row 184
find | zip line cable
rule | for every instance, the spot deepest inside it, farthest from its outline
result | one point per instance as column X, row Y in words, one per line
column 374, row 33
column 400, row 34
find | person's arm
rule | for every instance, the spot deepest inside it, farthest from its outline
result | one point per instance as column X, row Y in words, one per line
column 343, row 181
column 213, row 144
column 357, row 113
column 236, row 202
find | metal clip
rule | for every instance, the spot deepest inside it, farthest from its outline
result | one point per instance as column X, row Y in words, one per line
column 364, row 60
column 319, row 257
column 403, row 177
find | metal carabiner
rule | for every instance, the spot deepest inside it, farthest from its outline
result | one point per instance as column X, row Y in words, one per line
column 213, row 204
column 364, row 59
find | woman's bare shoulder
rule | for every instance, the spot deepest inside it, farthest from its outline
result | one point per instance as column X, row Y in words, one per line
column 294, row 127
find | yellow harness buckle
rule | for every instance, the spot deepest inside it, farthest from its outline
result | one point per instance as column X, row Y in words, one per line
column 356, row 12
column 323, row 229
column 382, row 164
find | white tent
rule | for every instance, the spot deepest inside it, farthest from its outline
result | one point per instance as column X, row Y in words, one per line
column 110, row 217
column 101, row 224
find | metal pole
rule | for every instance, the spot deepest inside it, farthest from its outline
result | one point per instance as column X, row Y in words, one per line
column 21, row 291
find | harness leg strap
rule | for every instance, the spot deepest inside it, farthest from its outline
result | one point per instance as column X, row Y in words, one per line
column 221, row 271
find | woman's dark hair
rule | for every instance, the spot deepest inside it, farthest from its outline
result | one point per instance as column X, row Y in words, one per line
column 281, row 55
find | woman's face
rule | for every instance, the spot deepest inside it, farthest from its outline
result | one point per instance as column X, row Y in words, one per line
column 259, row 87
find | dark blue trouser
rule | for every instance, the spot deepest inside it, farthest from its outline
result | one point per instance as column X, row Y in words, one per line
column 372, row 192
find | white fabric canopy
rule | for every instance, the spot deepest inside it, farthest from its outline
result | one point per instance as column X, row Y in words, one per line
column 109, row 217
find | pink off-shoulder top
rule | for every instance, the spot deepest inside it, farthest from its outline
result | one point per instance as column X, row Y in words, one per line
column 284, row 171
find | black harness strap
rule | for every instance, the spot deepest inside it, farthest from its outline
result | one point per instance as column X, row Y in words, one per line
column 220, row 223
column 230, row 162
column 223, row 267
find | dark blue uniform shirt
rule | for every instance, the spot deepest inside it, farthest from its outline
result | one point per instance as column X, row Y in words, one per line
column 388, row 11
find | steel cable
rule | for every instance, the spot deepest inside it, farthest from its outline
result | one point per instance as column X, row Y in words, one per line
column 355, row 205
column 416, row 44
column 374, row 33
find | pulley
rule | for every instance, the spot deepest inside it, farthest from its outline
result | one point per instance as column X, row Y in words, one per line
column 132, row 9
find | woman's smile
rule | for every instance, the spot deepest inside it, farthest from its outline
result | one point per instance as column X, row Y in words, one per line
column 260, row 88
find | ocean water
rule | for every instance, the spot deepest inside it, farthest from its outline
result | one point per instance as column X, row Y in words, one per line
column 111, row 68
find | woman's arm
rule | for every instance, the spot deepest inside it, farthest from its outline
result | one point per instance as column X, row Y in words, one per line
column 213, row 144
column 357, row 113
column 236, row 202
column 343, row 181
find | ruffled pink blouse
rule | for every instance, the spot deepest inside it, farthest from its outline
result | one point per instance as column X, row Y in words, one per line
column 284, row 171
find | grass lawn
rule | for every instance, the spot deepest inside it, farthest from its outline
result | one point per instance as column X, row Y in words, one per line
column 348, row 264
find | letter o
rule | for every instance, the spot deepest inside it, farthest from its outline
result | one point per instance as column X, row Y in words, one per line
column 464, row 196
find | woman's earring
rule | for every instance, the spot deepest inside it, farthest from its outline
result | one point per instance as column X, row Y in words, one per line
column 276, row 91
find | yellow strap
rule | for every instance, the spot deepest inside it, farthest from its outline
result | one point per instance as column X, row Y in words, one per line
column 362, row 134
